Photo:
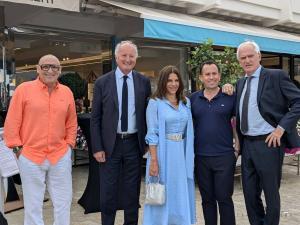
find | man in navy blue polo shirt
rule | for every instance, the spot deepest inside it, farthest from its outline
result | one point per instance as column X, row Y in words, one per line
column 212, row 112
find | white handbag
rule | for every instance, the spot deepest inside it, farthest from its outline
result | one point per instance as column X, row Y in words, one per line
column 155, row 193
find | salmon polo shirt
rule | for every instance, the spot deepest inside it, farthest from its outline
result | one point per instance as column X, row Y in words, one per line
column 44, row 124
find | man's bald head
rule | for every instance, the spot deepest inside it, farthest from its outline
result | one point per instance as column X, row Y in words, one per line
column 47, row 57
column 48, row 70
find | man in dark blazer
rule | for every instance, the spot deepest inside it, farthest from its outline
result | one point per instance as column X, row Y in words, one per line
column 268, row 108
column 118, row 128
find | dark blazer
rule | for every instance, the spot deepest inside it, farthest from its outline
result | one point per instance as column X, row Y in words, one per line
column 278, row 102
column 105, row 111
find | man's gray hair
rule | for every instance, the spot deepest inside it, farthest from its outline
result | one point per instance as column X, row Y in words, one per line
column 119, row 45
column 253, row 43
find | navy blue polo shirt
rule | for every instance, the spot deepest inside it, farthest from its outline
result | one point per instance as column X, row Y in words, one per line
column 212, row 123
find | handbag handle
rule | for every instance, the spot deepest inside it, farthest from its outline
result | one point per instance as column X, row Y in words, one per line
column 149, row 179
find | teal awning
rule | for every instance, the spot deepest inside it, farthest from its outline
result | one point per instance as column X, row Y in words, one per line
column 187, row 33
column 167, row 25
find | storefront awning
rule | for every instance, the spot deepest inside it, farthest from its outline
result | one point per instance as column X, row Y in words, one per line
column 173, row 26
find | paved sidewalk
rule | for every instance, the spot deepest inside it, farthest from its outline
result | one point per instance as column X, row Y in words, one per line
column 290, row 196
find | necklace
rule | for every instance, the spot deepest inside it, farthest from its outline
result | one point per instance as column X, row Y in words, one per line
column 173, row 100
column 174, row 103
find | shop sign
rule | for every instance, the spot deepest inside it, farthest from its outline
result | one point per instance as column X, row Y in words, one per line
column 69, row 5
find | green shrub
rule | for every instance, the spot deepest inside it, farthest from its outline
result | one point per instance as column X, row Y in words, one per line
column 226, row 59
column 75, row 83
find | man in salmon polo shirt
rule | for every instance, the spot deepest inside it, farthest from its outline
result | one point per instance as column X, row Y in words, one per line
column 41, row 127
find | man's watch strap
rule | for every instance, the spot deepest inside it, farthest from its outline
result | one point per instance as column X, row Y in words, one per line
column 17, row 149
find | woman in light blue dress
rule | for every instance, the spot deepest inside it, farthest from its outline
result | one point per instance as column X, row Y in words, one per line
column 171, row 151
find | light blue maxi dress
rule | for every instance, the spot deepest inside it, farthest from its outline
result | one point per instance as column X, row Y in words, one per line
column 176, row 163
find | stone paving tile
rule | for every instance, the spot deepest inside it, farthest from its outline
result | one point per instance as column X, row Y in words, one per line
column 290, row 196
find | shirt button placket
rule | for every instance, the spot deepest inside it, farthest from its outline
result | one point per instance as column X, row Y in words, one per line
column 49, row 123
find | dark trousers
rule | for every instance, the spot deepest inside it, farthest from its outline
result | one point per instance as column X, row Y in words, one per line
column 3, row 221
column 120, row 178
column 130, row 217
column 261, row 171
column 215, row 176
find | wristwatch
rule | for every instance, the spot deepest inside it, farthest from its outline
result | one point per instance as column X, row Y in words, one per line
column 17, row 149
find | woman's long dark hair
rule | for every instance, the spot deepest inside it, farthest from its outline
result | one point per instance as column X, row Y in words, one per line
column 161, row 90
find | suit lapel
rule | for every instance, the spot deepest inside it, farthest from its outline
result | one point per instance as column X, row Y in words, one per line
column 261, row 82
column 114, row 91
column 136, row 89
column 240, row 88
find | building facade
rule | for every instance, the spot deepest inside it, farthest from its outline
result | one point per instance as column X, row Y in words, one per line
column 83, row 33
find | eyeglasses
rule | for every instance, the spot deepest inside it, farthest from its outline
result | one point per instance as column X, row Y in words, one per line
column 46, row 67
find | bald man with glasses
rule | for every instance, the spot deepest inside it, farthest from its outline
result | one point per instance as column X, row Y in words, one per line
column 41, row 127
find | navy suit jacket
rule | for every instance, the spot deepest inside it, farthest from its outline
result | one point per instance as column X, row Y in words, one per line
column 278, row 102
column 105, row 111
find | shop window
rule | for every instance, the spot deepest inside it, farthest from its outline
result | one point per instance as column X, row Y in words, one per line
column 153, row 56
column 297, row 71
column 81, row 54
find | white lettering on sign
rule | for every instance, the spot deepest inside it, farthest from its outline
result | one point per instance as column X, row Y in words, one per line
column 69, row 5
column 44, row 1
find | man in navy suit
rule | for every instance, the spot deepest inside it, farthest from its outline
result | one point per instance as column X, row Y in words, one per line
column 268, row 108
column 118, row 129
